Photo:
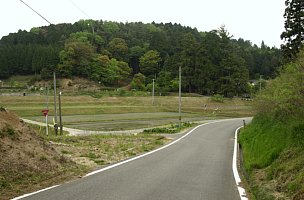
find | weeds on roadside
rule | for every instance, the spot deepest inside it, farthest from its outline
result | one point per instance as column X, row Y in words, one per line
column 101, row 149
column 174, row 128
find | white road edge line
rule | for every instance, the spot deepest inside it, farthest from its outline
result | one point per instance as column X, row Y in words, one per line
column 30, row 194
column 237, row 178
column 151, row 152
column 129, row 160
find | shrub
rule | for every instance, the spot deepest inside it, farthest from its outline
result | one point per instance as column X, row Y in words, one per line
column 218, row 98
column 8, row 131
column 283, row 97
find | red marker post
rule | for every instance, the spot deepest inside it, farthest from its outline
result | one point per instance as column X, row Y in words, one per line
column 45, row 113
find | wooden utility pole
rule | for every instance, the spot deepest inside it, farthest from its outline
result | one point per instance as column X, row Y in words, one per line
column 260, row 83
column 153, row 93
column 60, row 116
column 55, row 108
column 47, row 108
column 180, row 97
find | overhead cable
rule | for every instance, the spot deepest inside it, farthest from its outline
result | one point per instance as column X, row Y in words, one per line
column 36, row 12
column 80, row 9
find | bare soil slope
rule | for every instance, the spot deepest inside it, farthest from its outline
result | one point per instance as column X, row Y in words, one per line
column 27, row 162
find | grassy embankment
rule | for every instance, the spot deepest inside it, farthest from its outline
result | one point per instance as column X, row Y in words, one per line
column 32, row 161
column 273, row 157
column 273, row 145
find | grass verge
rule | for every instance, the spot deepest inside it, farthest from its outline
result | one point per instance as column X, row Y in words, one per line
column 173, row 128
column 273, row 158
column 98, row 150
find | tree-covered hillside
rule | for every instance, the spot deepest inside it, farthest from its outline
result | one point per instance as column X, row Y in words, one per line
column 113, row 53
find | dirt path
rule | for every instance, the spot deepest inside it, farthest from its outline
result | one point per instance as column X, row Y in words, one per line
column 75, row 132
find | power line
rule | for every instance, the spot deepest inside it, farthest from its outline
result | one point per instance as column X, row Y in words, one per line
column 35, row 12
column 84, row 14
column 80, row 9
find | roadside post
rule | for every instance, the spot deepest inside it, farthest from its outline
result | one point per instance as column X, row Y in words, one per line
column 55, row 109
column 153, row 92
column 180, row 97
column 45, row 113
column 60, row 116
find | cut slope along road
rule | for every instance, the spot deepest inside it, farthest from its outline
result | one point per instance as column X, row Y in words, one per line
column 197, row 166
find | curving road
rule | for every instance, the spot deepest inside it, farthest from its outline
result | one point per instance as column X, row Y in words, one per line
column 198, row 166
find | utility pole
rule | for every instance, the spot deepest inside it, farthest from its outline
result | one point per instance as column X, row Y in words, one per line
column 60, row 116
column 260, row 83
column 93, row 32
column 47, row 109
column 55, row 109
column 153, row 93
column 180, row 96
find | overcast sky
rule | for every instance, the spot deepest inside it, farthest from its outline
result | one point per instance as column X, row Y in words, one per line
column 253, row 20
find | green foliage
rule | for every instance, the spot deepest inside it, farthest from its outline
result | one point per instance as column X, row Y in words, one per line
column 297, row 133
column 212, row 62
column 164, row 81
column 138, row 82
column 75, row 59
column 8, row 131
column 283, row 98
column 273, row 143
column 279, row 104
column 119, row 48
column 174, row 84
column 46, row 74
column 262, row 142
column 294, row 28
column 217, row 98
column 149, row 88
column 149, row 63
column 277, row 149
column 122, row 92
column 110, row 27
column 160, row 130
column 174, row 128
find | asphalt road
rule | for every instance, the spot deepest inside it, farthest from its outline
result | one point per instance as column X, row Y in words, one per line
column 199, row 166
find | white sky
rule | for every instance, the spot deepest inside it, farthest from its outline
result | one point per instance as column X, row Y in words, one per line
column 253, row 20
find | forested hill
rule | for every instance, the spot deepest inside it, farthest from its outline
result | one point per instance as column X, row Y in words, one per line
column 116, row 54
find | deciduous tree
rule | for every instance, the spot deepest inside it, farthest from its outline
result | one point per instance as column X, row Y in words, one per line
column 294, row 28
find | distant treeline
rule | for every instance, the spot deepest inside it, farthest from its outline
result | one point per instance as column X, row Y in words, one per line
column 116, row 54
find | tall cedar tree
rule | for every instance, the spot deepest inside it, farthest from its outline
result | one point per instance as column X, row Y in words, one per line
column 294, row 28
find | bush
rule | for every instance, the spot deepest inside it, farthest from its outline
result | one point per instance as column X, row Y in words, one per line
column 8, row 131
column 298, row 134
column 283, row 97
column 174, row 128
column 138, row 82
column 218, row 98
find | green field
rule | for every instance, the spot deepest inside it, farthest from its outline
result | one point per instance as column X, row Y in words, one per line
column 125, row 113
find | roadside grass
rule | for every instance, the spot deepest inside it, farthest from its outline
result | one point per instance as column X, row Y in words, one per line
column 273, row 153
column 173, row 128
column 14, row 183
column 98, row 150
